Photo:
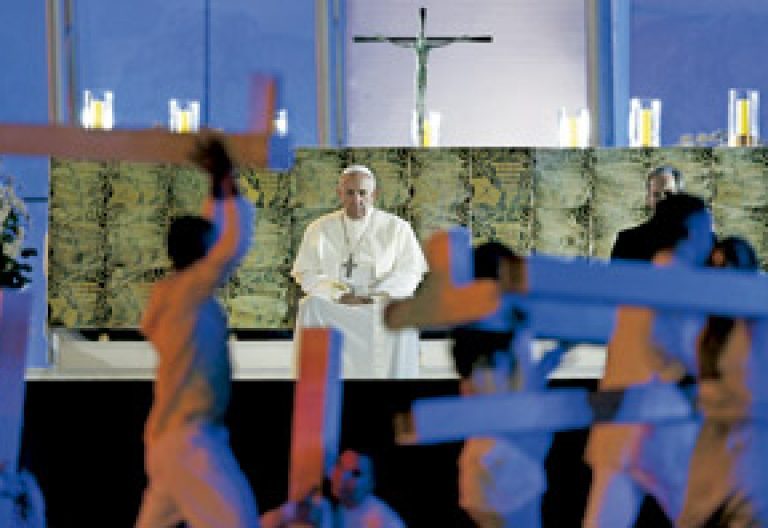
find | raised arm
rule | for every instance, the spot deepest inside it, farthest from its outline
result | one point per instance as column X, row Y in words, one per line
column 231, row 216
column 246, row 220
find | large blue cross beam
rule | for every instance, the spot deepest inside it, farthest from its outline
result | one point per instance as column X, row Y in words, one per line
column 555, row 320
column 14, row 328
column 450, row 418
column 698, row 290
column 573, row 298
column 569, row 298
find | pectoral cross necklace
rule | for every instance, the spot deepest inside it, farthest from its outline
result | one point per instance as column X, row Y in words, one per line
column 349, row 264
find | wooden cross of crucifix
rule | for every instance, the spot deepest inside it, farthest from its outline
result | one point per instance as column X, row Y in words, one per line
column 423, row 45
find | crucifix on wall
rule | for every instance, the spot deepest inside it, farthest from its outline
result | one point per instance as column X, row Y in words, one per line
column 422, row 45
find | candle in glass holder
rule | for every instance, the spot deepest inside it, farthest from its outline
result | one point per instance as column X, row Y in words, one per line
column 183, row 119
column 646, row 127
column 574, row 128
column 97, row 113
column 97, row 110
column 280, row 123
column 432, row 130
column 743, row 117
column 644, row 122
column 432, row 122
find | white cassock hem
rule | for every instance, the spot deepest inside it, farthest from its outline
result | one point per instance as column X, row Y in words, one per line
column 370, row 350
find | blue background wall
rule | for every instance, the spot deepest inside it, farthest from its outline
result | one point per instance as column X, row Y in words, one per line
column 687, row 52
column 690, row 52
column 147, row 52
column 23, row 98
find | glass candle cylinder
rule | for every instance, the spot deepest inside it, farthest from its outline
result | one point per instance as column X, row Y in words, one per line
column 432, row 122
column 743, row 117
column 574, row 128
column 280, row 123
column 97, row 113
column 183, row 118
column 644, row 122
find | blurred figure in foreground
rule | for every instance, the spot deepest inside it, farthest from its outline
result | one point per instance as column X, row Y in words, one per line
column 717, row 494
column 193, row 475
column 352, row 483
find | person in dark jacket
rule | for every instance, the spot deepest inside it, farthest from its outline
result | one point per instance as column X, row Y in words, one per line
column 637, row 243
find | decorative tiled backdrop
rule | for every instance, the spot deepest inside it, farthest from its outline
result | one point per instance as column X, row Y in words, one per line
column 108, row 220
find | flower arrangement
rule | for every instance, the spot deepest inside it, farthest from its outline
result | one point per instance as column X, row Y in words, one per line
column 14, row 221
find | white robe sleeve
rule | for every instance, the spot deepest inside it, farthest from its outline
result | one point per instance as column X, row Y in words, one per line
column 308, row 270
column 409, row 266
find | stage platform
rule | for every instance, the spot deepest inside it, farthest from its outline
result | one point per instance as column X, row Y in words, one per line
column 82, row 439
column 78, row 356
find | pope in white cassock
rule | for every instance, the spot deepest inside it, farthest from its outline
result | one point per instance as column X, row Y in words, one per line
column 350, row 263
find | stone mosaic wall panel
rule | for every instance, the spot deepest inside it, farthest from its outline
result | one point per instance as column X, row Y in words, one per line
column 501, row 200
column 136, row 205
column 618, row 194
column 108, row 220
column 741, row 178
column 440, row 189
column 562, row 197
column 259, row 298
column 77, row 235
column 188, row 188
column 314, row 178
column 740, row 204
column 258, row 294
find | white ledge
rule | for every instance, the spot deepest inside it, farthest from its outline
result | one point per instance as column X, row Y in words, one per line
column 80, row 359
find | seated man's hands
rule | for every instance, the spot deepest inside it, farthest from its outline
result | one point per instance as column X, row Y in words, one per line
column 352, row 299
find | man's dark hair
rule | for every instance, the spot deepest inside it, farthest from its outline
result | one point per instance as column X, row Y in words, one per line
column 473, row 347
column 667, row 169
column 669, row 218
column 487, row 258
column 188, row 240
column 738, row 253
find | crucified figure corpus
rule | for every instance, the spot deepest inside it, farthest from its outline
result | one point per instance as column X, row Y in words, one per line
column 423, row 45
